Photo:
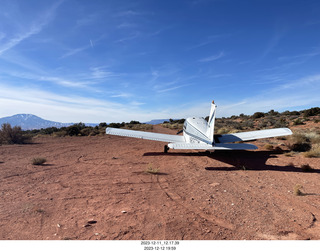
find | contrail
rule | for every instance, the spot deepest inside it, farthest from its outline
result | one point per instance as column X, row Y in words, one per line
column 91, row 43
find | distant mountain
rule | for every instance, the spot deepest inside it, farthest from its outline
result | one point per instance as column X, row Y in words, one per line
column 30, row 122
column 156, row 121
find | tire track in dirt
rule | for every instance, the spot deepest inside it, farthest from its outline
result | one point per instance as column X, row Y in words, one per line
column 177, row 199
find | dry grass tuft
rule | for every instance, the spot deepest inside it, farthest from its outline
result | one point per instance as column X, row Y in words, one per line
column 314, row 152
column 297, row 190
column 299, row 142
column 152, row 170
column 38, row 161
column 290, row 154
column 268, row 147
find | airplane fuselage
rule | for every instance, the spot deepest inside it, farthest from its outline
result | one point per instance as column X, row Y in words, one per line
column 195, row 130
column 198, row 134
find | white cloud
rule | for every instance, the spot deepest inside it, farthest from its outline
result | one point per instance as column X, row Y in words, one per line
column 128, row 38
column 20, row 37
column 212, row 58
column 298, row 94
column 30, row 29
column 69, row 108
column 74, row 51
column 172, row 88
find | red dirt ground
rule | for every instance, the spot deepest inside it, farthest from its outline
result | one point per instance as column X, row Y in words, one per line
column 98, row 188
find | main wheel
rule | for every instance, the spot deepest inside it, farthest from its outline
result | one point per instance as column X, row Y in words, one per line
column 166, row 148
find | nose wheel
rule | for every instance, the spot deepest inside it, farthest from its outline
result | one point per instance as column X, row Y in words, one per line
column 166, row 149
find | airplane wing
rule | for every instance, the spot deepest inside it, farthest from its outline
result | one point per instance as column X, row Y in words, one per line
column 145, row 135
column 246, row 136
column 218, row 146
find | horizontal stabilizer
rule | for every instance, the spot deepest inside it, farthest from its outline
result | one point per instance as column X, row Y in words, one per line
column 253, row 135
column 190, row 146
column 145, row 135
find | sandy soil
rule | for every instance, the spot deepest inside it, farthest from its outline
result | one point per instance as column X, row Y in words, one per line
column 98, row 188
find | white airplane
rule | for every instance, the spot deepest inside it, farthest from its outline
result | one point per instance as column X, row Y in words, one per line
column 198, row 134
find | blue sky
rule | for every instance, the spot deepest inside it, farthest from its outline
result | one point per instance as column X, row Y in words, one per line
column 118, row 60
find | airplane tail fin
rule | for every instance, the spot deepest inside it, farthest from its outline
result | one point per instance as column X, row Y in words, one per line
column 212, row 118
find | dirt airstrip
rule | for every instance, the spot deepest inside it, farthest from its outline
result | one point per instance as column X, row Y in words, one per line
column 99, row 188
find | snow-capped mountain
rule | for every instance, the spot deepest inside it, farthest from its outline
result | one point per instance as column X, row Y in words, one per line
column 30, row 122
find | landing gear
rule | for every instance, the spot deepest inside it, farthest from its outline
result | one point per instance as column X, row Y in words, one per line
column 166, row 149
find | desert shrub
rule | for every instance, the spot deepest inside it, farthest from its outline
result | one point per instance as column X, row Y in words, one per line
column 314, row 137
column 175, row 126
column 270, row 121
column 233, row 125
column 268, row 147
column 282, row 122
column 12, row 135
column 289, row 154
column 75, row 129
column 141, row 127
column 152, row 170
column 299, row 142
column 314, row 152
column 262, row 124
column 290, row 113
column 223, row 130
column 298, row 122
column 258, row 115
column 248, row 124
column 103, row 124
column 49, row 130
column 273, row 113
column 86, row 131
column 300, row 147
column 312, row 112
column 306, row 168
column 297, row 190
column 38, row 161
column 61, row 133
column 115, row 125
column 179, row 121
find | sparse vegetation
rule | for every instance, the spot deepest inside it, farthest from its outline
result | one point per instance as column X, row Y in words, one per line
column 308, row 143
column 152, row 170
column 38, row 161
column 233, row 124
column 12, row 135
column 289, row 154
column 314, row 152
column 298, row 122
column 242, row 167
column 80, row 129
column 299, row 142
column 268, row 147
column 297, row 190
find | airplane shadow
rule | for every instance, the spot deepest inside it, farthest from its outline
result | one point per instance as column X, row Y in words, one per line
column 240, row 160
